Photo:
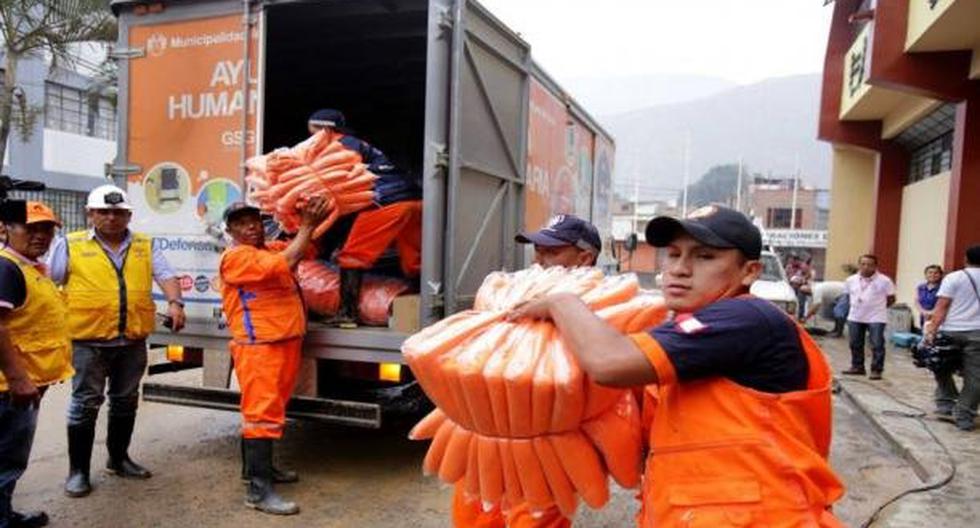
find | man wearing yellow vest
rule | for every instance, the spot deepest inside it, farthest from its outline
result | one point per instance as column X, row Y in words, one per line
column 35, row 351
column 267, row 321
column 737, row 395
column 108, row 274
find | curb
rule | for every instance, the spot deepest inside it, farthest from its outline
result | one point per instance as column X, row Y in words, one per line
column 897, row 446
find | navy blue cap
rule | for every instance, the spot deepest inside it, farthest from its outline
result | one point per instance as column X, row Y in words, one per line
column 565, row 230
column 328, row 117
column 714, row 225
column 237, row 209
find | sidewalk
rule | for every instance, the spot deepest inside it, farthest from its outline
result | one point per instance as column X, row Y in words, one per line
column 954, row 505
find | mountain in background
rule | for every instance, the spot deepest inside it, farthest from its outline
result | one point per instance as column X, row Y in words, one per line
column 770, row 125
column 616, row 95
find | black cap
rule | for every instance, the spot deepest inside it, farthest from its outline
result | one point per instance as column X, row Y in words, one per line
column 565, row 230
column 328, row 117
column 714, row 225
column 239, row 208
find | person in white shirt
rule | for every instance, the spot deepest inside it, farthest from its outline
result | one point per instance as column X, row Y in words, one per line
column 957, row 316
column 870, row 293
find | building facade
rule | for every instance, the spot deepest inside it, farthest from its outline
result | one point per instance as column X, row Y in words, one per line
column 71, row 141
column 900, row 104
column 801, row 232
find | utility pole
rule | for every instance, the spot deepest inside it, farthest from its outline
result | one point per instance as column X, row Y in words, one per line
column 738, row 187
column 687, row 170
column 796, row 186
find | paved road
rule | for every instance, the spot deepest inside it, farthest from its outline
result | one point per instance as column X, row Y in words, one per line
column 350, row 478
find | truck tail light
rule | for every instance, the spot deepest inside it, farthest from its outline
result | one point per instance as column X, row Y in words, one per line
column 175, row 353
column 390, row 372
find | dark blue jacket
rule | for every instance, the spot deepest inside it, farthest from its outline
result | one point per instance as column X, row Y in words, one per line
column 392, row 184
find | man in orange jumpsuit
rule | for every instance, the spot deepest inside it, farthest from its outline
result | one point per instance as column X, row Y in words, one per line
column 566, row 241
column 267, row 321
column 740, row 432
column 396, row 218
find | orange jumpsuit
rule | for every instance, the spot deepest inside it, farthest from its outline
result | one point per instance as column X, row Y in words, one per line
column 725, row 455
column 267, row 320
column 374, row 230
column 470, row 514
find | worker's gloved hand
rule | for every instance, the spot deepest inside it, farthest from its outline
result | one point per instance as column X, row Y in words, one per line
column 23, row 392
column 315, row 212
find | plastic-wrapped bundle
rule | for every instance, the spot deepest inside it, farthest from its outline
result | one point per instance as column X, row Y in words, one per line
column 517, row 420
column 320, row 285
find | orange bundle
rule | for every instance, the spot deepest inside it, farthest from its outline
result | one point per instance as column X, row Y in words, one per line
column 282, row 181
column 517, row 420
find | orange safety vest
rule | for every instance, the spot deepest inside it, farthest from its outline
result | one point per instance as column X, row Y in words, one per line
column 726, row 455
column 265, row 312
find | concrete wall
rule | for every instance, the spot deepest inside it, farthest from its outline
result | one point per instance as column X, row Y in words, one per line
column 76, row 154
column 851, row 217
column 922, row 238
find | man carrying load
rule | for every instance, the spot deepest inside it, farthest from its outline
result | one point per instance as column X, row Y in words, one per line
column 395, row 218
column 741, row 428
column 35, row 351
column 267, row 321
column 566, row 241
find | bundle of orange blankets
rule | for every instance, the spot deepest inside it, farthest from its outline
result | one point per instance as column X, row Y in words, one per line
column 282, row 181
column 517, row 420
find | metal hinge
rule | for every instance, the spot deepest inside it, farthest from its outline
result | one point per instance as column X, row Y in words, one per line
column 442, row 158
column 127, row 53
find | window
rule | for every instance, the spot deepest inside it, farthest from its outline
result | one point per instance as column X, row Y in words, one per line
column 76, row 111
column 68, row 205
column 931, row 159
column 780, row 218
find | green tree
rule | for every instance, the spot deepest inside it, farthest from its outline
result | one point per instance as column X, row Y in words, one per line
column 718, row 185
column 43, row 28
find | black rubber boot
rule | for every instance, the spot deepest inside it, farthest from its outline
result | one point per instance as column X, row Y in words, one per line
column 80, row 440
column 260, row 495
column 350, row 295
column 33, row 519
column 117, row 441
column 279, row 476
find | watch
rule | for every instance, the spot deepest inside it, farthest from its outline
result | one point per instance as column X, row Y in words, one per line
column 177, row 302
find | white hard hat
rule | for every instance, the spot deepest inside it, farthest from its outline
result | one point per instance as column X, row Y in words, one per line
column 108, row 197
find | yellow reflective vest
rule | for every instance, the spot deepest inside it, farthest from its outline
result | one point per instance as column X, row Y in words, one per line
column 37, row 328
column 104, row 302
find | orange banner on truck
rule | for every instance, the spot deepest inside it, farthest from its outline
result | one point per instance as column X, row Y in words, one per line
column 187, row 96
column 559, row 161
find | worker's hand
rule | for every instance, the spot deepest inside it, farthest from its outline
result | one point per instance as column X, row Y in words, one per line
column 315, row 212
column 176, row 313
column 539, row 308
column 23, row 392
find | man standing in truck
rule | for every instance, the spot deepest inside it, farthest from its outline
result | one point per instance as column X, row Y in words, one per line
column 566, row 241
column 108, row 273
column 267, row 321
column 396, row 218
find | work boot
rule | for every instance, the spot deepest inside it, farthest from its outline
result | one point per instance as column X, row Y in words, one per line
column 853, row 371
column 279, row 476
column 117, row 441
column 34, row 519
column 260, row 495
column 80, row 439
column 350, row 295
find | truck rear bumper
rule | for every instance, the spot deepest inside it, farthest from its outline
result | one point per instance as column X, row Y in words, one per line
column 350, row 413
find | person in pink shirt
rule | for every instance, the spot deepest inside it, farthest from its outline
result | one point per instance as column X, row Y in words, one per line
column 870, row 294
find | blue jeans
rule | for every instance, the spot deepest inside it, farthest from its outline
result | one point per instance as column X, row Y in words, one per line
column 876, row 336
column 123, row 366
column 17, row 425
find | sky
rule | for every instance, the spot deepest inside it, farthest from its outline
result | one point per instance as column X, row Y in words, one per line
column 739, row 40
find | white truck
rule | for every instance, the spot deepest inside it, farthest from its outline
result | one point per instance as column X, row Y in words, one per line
column 442, row 86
